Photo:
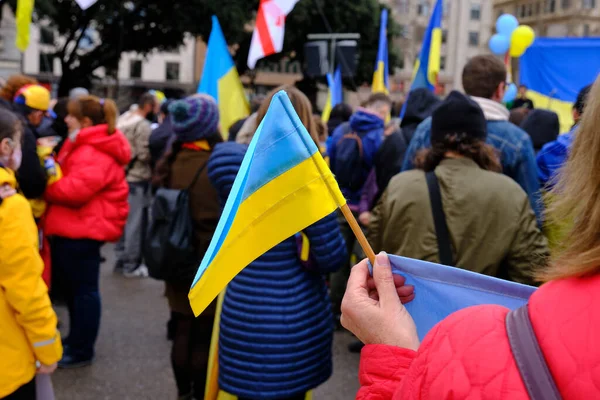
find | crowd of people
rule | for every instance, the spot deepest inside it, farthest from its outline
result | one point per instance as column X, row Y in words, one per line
column 75, row 175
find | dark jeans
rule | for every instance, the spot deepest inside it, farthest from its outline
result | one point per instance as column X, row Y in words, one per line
column 78, row 264
column 25, row 392
column 190, row 351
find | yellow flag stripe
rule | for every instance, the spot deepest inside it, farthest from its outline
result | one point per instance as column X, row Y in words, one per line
column 233, row 104
column 277, row 210
column 564, row 109
column 23, row 20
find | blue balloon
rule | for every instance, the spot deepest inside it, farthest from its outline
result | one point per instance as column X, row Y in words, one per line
column 499, row 44
column 510, row 93
column 506, row 24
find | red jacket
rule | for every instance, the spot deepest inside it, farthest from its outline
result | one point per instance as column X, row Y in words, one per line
column 90, row 200
column 468, row 356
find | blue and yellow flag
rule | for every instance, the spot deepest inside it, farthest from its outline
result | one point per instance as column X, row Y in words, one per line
column 335, row 95
column 283, row 186
column 381, row 76
column 23, row 17
column 220, row 80
column 427, row 66
column 548, row 70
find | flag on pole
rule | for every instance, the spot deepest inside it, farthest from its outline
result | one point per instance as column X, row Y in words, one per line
column 268, row 34
column 220, row 80
column 282, row 187
column 85, row 4
column 381, row 75
column 23, row 19
column 427, row 66
column 441, row 290
column 335, row 95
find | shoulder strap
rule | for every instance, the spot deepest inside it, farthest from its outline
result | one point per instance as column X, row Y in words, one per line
column 191, row 185
column 439, row 220
column 528, row 355
column 356, row 138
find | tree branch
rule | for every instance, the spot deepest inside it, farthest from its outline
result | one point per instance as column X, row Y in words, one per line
column 71, row 57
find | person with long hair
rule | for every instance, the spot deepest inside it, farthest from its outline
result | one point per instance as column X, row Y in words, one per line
column 195, row 122
column 87, row 207
column 27, row 321
column 468, row 354
column 480, row 204
column 276, row 326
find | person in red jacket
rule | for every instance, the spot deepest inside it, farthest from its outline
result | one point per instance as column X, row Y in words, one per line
column 468, row 354
column 87, row 207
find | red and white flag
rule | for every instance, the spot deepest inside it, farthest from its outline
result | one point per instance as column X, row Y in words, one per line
column 270, row 28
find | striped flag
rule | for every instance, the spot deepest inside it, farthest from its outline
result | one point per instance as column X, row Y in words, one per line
column 268, row 34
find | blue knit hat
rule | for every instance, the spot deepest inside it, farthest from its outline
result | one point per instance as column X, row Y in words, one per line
column 194, row 118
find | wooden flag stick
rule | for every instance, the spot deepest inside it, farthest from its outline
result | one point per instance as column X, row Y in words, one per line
column 360, row 236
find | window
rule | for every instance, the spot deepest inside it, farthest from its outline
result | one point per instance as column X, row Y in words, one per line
column 550, row 6
column 423, row 8
column 46, row 63
column 530, row 10
column 538, row 8
column 135, row 69
column 475, row 12
column 473, row 39
column 46, row 35
column 172, row 71
column 403, row 31
column 447, row 5
column 444, row 36
column 586, row 30
column 587, row 4
column 443, row 63
column 565, row 4
column 402, row 6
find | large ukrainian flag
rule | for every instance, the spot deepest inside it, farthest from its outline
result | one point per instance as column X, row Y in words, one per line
column 427, row 66
column 555, row 70
column 283, row 186
column 381, row 76
column 220, row 80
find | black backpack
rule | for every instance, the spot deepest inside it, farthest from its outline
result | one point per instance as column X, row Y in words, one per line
column 348, row 168
column 169, row 245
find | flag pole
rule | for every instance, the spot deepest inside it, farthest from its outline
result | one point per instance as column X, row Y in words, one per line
column 358, row 233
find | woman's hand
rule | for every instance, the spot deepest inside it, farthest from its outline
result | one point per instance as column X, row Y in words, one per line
column 46, row 369
column 372, row 307
column 365, row 218
column 6, row 191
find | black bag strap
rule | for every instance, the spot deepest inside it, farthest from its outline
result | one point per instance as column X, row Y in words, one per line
column 439, row 220
column 529, row 357
column 191, row 185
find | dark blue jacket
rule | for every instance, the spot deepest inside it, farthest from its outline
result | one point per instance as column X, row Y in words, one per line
column 516, row 155
column 276, row 324
column 370, row 128
column 552, row 157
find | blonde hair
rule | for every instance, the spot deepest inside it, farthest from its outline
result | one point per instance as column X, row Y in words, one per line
column 301, row 105
column 99, row 111
column 576, row 199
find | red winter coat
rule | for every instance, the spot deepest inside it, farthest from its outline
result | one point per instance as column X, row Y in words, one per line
column 468, row 356
column 90, row 200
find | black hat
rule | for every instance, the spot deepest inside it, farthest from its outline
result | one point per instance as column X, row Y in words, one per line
column 458, row 114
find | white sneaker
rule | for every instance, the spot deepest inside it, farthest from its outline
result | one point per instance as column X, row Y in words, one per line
column 139, row 272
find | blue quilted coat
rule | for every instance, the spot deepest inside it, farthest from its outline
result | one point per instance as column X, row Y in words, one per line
column 276, row 324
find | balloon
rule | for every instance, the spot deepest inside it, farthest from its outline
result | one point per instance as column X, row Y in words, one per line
column 506, row 24
column 499, row 44
column 517, row 51
column 510, row 93
column 524, row 34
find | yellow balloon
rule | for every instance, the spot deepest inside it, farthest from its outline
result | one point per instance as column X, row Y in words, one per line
column 517, row 51
column 520, row 40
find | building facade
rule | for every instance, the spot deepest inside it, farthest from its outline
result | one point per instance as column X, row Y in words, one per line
column 555, row 18
column 467, row 26
column 10, row 57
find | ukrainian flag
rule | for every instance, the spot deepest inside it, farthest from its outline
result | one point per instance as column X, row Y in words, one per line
column 220, row 80
column 381, row 76
column 23, row 17
column 335, row 95
column 547, row 69
column 283, row 186
column 427, row 66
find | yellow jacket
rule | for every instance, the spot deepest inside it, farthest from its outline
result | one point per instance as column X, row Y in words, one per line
column 27, row 321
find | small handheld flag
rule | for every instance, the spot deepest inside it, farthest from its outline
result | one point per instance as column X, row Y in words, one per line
column 23, row 17
column 282, row 187
column 220, row 80
column 335, row 95
column 380, row 77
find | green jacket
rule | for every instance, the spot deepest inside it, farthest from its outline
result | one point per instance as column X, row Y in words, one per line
column 492, row 227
